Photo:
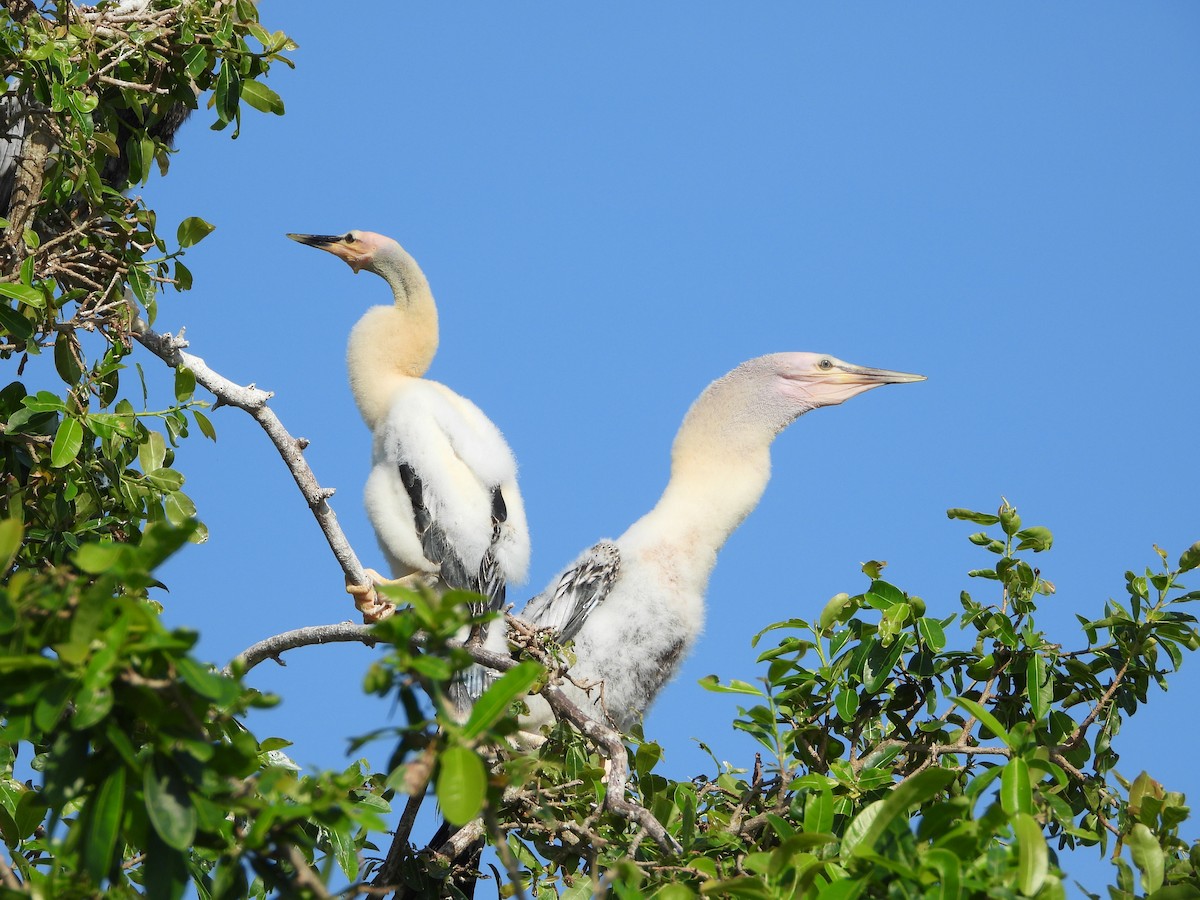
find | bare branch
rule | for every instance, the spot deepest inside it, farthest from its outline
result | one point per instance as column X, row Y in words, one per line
column 270, row 648
column 608, row 741
column 254, row 401
column 1078, row 735
column 416, row 783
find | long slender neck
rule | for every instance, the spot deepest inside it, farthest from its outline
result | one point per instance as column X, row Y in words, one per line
column 392, row 343
column 720, row 466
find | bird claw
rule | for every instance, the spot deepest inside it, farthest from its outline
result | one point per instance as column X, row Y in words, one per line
column 375, row 608
column 367, row 600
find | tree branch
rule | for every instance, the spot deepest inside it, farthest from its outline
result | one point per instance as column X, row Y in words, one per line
column 270, row 648
column 608, row 741
column 27, row 186
column 1078, row 735
column 170, row 349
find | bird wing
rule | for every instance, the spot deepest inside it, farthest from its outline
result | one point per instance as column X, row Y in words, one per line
column 566, row 604
column 454, row 468
column 488, row 579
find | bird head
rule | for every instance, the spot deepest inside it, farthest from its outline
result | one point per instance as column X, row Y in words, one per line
column 357, row 248
column 817, row 379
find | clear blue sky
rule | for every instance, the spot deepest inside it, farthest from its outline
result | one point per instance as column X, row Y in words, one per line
column 616, row 206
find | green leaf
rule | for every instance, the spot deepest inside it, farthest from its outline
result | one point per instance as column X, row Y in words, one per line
column 103, row 824
column 1147, row 856
column 668, row 892
column 497, row 698
column 67, row 443
column 30, row 812
column 97, row 558
column 872, row 567
column 185, row 384
column 743, row 886
column 66, row 350
column 183, row 277
column 171, row 812
column 152, row 452
column 178, row 507
column 14, row 323
column 865, row 830
column 1035, row 538
column 345, row 852
column 990, row 722
column 932, row 633
column 165, row 479
column 8, row 830
column 141, row 285
column 1039, row 686
column 949, row 871
column 192, row 231
column 834, row 610
column 819, row 811
column 971, row 516
column 847, row 704
column 461, row 784
column 842, row 889
column 262, row 97
column 1190, row 558
column 23, row 293
column 1016, row 788
column 44, row 401
column 196, row 59
column 1033, row 861
column 712, row 683
column 205, row 426
column 12, row 532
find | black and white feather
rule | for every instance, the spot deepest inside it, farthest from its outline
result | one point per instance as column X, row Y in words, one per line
column 443, row 498
column 571, row 598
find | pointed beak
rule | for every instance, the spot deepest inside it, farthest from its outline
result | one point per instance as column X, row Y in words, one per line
column 316, row 240
column 848, row 374
column 355, row 257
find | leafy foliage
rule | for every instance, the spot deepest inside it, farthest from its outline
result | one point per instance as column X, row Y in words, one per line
column 894, row 765
column 902, row 753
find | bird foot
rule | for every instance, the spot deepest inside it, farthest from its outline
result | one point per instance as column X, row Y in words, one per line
column 367, row 601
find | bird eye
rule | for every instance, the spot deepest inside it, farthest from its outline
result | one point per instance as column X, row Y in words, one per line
column 349, row 238
column 825, row 364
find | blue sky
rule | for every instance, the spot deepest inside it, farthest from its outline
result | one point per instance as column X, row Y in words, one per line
column 616, row 206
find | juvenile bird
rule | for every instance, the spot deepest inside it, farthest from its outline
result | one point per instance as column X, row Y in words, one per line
column 635, row 606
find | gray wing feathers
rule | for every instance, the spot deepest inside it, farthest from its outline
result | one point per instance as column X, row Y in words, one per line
column 488, row 581
column 579, row 590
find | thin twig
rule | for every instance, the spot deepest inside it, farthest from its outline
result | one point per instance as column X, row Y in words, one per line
column 305, row 877
column 1078, row 735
